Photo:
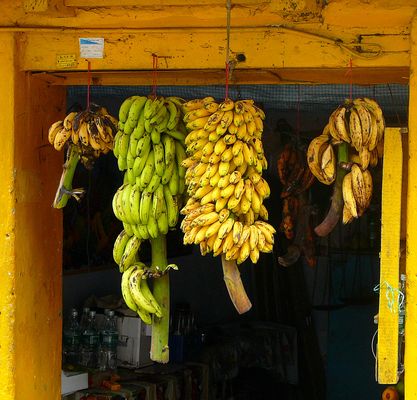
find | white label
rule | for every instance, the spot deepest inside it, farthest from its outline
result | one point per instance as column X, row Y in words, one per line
column 91, row 47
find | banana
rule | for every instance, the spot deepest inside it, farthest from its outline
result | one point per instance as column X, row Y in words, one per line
column 139, row 130
column 347, row 216
column 355, row 129
column 243, row 252
column 314, row 155
column 367, row 178
column 53, row 131
column 348, row 197
column 130, row 302
column 134, row 113
column 205, row 219
column 365, row 157
column 61, row 138
column 125, row 107
column 328, row 164
column 174, row 114
column 159, row 157
column 129, row 254
column 119, row 246
column 169, row 148
column 148, row 170
column 171, row 206
column 197, row 103
column 144, row 288
column 123, row 144
column 358, row 187
column 135, row 290
column 125, row 199
column 152, row 227
column 140, row 162
column 145, row 206
column 153, row 184
column 169, row 169
column 175, row 181
column 128, row 228
column 365, row 118
column 158, row 203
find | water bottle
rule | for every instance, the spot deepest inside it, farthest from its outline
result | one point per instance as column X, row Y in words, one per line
column 84, row 318
column 90, row 342
column 71, row 340
column 108, row 347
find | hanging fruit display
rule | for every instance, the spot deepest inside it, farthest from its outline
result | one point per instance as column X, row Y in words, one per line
column 225, row 213
column 357, row 129
column 88, row 134
column 149, row 148
column 296, row 178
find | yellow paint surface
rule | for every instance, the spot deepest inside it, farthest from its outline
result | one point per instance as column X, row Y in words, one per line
column 7, row 223
column 30, row 235
column 411, row 253
column 390, row 257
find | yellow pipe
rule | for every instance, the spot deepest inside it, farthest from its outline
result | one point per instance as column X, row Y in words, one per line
column 411, row 254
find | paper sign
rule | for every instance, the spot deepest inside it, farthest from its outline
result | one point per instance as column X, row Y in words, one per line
column 66, row 60
column 91, row 47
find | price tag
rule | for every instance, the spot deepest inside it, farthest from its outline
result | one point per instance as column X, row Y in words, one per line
column 66, row 60
column 91, row 47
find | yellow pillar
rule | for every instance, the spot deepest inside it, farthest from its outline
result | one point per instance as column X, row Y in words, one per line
column 411, row 256
column 30, row 234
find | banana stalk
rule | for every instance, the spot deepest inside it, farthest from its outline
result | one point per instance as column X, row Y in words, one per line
column 160, row 326
column 235, row 286
column 336, row 207
column 65, row 190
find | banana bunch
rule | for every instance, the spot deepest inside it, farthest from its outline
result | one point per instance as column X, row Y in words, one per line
column 91, row 130
column 224, row 179
column 137, row 294
column 149, row 148
column 361, row 124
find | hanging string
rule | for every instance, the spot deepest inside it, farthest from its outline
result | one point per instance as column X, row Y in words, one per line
column 298, row 123
column 228, row 9
column 88, row 84
column 154, row 74
column 349, row 74
column 391, row 294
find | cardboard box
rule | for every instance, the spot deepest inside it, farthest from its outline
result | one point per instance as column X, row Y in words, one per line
column 73, row 381
column 134, row 342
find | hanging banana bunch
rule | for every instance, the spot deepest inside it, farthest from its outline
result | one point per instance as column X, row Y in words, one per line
column 225, row 213
column 149, row 147
column 88, row 134
column 360, row 124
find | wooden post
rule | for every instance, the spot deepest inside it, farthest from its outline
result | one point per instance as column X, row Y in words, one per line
column 411, row 253
column 390, row 258
column 30, row 234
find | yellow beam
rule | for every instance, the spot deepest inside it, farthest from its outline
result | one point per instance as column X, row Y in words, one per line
column 7, row 225
column 390, row 257
column 257, row 48
column 411, row 253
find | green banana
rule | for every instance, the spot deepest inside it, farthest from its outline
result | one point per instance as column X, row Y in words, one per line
column 143, row 146
column 133, row 142
column 158, row 202
column 134, row 113
column 142, row 231
column 163, row 222
column 140, row 163
column 130, row 160
column 116, row 210
column 135, row 290
column 155, row 136
column 172, row 207
column 144, row 288
column 139, row 131
column 145, row 207
column 174, row 114
column 181, row 155
column 169, row 169
column 159, row 159
column 152, row 227
column 161, row 127
column 129, row 254
column 130, row 302
column 128, row 228
column 119, row 246
column 116, row 143
column 154, row 183
column 154, row 107
column 147, row 171
column 147, row 108
column 130, row 177
column 174, row 182
column 125, row 107
column 123, row 145
column 144, row 316
column 169, row 148
column 126, row 204
column 159, row 116
column 121, row 163
column 134, row 204
column 176, row 134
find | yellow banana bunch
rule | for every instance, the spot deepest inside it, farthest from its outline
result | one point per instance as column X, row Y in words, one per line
column 224, row 183
column 93, row 131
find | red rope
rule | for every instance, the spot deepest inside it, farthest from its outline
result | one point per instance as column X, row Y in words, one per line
column 349, row 73
column 154, row 74
column 88, row 84
column 227, row 80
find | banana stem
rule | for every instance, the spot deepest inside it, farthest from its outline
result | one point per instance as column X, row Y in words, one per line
column 235, row 286
column 160, row 326
column 63, row 193
column 336, row 207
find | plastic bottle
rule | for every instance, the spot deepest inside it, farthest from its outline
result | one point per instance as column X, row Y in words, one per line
column 108, row 347
column 71, row 340
column 90, row 342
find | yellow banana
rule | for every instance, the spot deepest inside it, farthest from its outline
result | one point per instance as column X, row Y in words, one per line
column 355, row 129
column 348, row 197
column 358, row 188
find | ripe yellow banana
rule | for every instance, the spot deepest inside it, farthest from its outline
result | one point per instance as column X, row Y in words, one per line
column 348, row 196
